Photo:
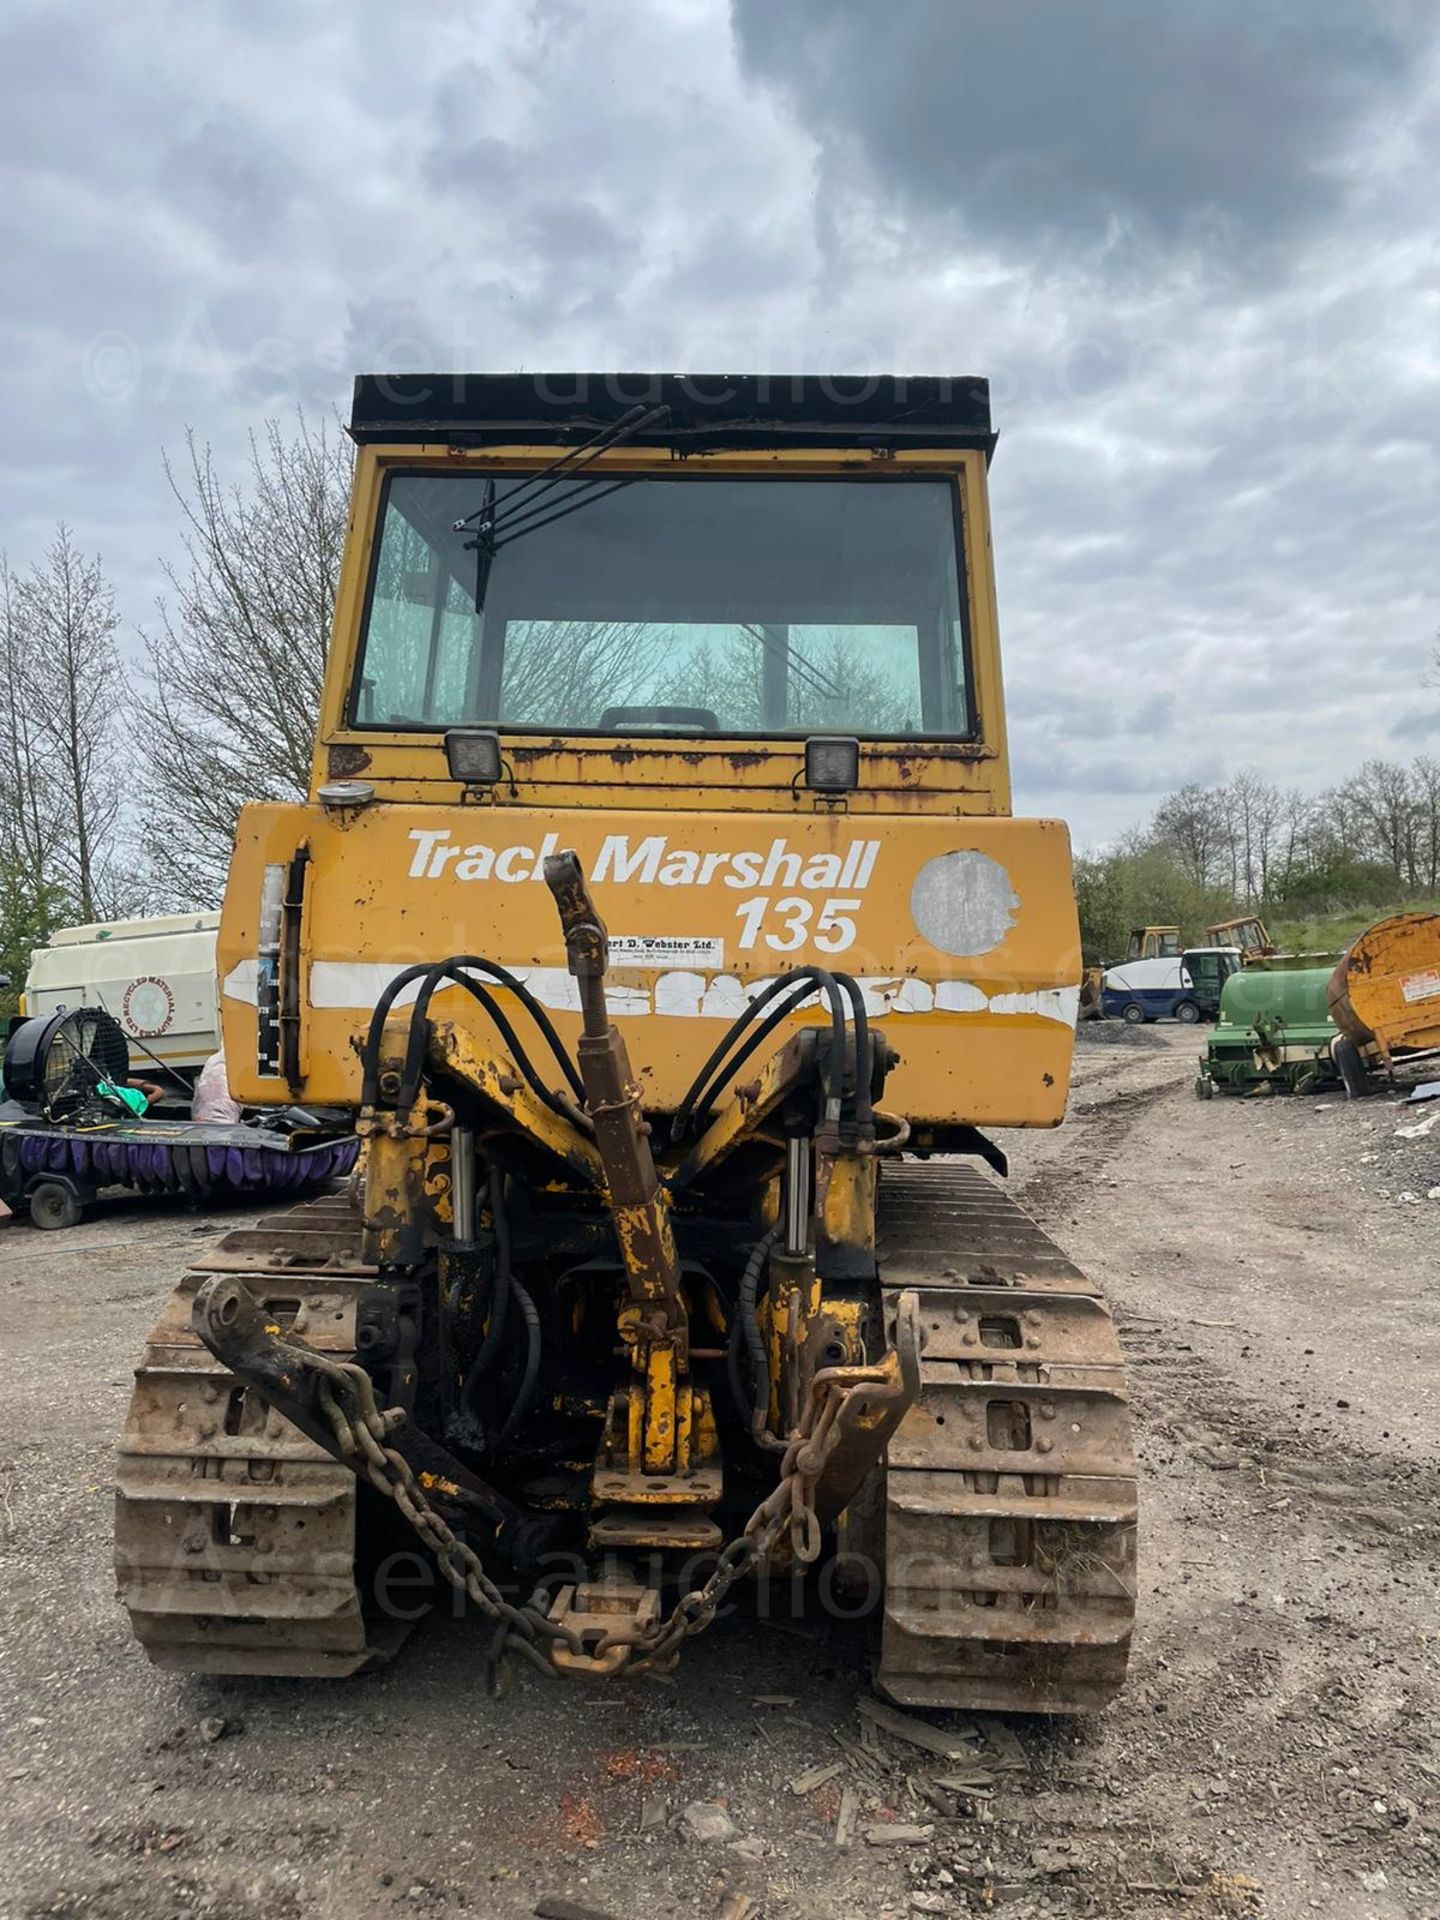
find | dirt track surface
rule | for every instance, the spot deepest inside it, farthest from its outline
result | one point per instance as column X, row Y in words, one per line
column 1275, row 1751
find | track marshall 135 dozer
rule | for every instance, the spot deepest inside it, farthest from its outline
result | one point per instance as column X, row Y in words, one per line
column 659, row 916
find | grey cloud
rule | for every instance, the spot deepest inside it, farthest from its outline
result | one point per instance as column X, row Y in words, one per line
column 232, row 180
column 571, row 230
column 731, row 259
column 1220, row 439
column 1067, row 771
column 1218, row 121
column 478, row 166
column 1415, row 728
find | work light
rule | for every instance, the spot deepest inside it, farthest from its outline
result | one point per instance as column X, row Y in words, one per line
column 473, row 756
column 832, row 763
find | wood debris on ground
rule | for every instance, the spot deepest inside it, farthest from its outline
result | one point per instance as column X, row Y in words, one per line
column 1003, row 1739
column 956, row 1745
column 967, row 1763
column 846, row 1818
column 814, row 1777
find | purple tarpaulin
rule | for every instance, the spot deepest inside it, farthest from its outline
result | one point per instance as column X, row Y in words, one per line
column 158, row 1164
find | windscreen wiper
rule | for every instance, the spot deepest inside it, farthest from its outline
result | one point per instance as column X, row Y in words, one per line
column 494, row 530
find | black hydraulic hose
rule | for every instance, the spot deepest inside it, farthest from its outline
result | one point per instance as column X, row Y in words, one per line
column 501, row 976
column 698, row 1113
column 748, row 1012
column 749, row 1319
column 733, row 1343
column 531, row 1376
column 864, row 1105
column 500, row 1297
column 710, row 1079
column 415, row 1048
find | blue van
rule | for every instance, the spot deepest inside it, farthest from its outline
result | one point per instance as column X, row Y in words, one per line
column 1185, row 987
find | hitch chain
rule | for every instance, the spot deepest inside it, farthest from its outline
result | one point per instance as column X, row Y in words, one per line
column 362, row 1432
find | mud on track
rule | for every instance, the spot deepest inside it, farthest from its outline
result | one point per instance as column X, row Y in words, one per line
column 1275, row 1751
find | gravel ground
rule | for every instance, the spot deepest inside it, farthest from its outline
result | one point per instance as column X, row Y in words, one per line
column 1118, row 1033
column 1275, row 1751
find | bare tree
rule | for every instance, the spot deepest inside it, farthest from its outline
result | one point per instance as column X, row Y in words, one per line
column 1256, row 814
column 1294, row 833
column 1425, row 798
column 236, row 668
column 831, row 680
column 30, row 823
column 565, row 673
column 1382, row 818
column 74, row 694
column 1194, row 825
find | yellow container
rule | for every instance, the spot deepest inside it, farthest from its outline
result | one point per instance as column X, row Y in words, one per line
column 1385, row 992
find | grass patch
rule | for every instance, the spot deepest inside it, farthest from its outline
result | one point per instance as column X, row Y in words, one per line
column 1332, row 932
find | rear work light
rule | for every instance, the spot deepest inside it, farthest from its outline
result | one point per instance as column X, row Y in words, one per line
column 473, row 756
column 832, row 763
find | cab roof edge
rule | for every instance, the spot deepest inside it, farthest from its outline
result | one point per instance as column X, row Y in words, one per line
column 705, row 410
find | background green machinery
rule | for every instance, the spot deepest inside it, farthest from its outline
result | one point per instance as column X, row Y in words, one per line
column 1274, row 1030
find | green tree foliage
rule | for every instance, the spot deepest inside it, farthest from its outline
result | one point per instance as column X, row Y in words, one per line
column 1142, row 886
column 1211, row 853
column 29, row 914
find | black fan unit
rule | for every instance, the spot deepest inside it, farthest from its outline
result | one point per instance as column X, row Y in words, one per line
column 57, row 1061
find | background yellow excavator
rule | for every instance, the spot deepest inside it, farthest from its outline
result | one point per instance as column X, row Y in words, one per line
column 658, row 921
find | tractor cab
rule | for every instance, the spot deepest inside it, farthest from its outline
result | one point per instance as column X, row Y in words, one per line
column 1249, row 933
column 1153, row 943
column 1207, row 969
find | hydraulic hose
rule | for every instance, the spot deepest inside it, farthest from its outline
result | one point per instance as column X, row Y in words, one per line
column 734, row 1341
column 718, row 1068
column 864, row 1106
column 415, row 1046
column 453, row 969
column 749, row 1320
column 531, row 1376
column 695, row 1112
column 499, row 1299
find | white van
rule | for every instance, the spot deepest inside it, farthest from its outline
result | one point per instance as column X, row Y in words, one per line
column 157, row 977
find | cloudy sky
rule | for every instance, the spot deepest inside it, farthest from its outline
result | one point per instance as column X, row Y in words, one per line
column 1192, row 243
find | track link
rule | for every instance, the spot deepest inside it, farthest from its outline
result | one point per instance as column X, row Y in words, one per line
column 235, row 1535
column 1010, row 1496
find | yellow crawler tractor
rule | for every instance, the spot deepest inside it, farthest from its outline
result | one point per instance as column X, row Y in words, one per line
column 658, row 922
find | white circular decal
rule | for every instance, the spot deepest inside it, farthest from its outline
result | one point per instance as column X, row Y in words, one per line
column 963, row 903
column 148, row 1007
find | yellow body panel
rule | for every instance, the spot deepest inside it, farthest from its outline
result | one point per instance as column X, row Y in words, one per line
column 959, row 920
column 984, row 1036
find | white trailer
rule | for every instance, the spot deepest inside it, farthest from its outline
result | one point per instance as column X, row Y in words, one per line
column 157, row 977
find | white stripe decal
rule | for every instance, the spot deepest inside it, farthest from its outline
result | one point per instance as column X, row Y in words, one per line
column 355, row 987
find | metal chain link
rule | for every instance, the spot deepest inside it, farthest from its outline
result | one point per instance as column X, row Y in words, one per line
column 362, row 1431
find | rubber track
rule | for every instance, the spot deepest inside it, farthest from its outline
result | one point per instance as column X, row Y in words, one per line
column 1010, row 1497
column 234, row 1533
